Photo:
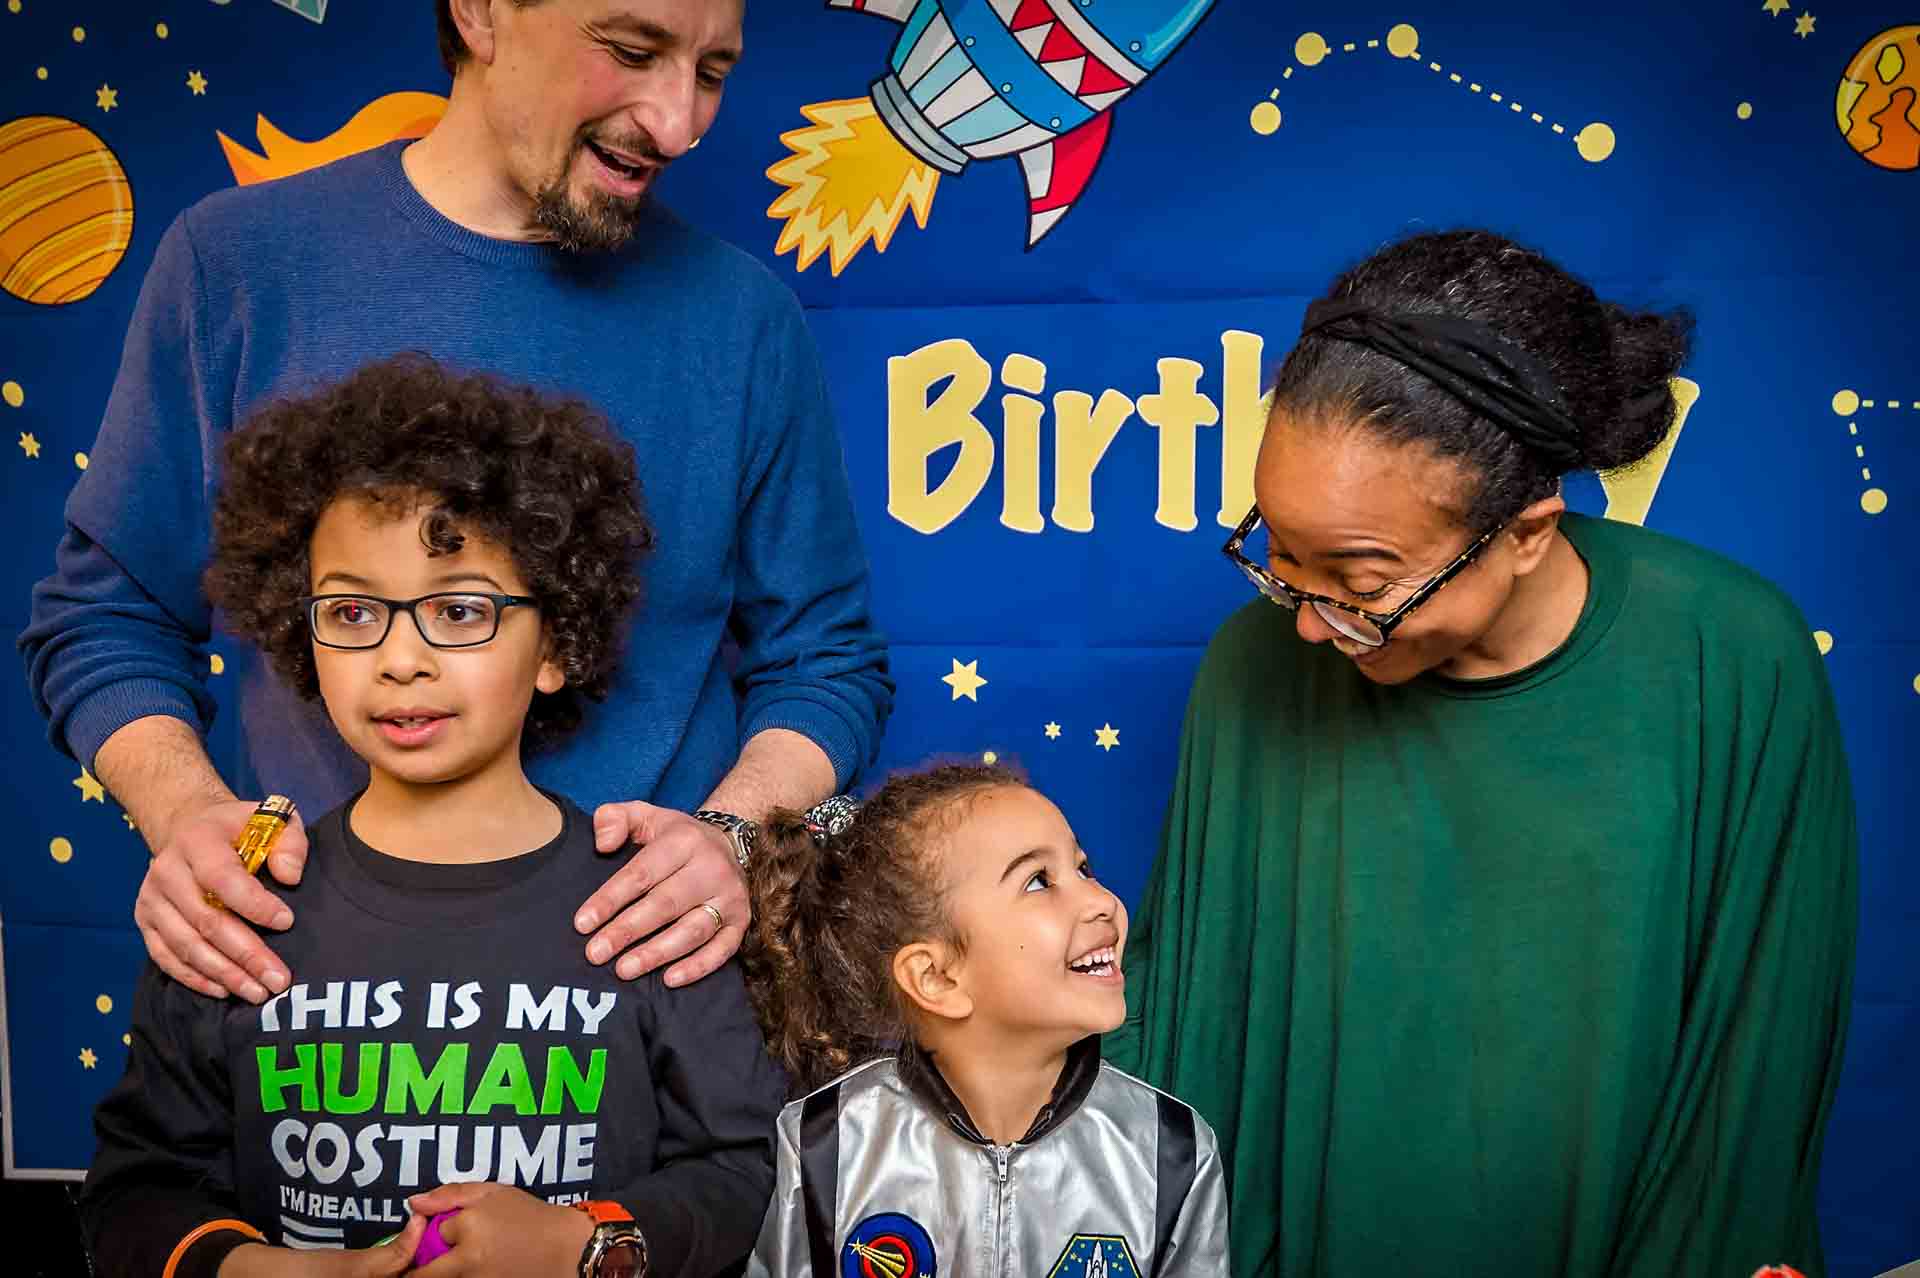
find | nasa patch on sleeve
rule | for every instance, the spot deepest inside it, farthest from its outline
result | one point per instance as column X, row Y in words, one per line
column 1095, row 1256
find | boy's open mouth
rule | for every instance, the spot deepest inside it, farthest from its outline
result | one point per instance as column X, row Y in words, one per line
column 411, row 726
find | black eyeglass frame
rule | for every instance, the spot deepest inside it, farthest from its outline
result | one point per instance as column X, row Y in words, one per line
column 1277, row 591
column 395, row 607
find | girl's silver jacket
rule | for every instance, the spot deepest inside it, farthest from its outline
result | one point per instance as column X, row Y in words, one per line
column 881, row 1173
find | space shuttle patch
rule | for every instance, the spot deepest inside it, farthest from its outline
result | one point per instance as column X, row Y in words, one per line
column 1095, row 1256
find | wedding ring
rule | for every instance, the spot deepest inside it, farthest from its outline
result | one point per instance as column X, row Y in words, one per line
column 718, row 922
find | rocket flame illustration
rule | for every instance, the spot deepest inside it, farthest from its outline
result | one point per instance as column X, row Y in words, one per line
column 970, row 80
column 874, row 181
column 387, row 119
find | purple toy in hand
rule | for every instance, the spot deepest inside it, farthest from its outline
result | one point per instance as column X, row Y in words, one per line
column 432, row 1245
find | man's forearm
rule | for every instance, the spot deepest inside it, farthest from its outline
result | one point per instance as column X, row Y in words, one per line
column 778, row 768
column 157, row 768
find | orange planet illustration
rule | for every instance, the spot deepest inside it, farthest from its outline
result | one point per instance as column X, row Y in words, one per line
column 1878, row 103
column 66, row 210
column 383, row 120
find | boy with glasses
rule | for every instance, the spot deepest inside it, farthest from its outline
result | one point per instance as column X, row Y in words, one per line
column 444, row 561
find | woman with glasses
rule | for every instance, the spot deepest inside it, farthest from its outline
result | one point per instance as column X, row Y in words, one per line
column 1504, row 919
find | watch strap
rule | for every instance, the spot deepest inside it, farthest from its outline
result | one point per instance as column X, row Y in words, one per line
column 613, row 1226
column 740, row 832
column 605, row 1212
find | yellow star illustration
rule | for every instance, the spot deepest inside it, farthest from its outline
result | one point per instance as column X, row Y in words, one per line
column 28, row 444
column 1775, row 8
column 87, row 1059
column 1803, row 25
column 90, row 789
column 1106, row 737
column 965, row 680
column 1053, row 732
column 197, row 82
column 106, row 97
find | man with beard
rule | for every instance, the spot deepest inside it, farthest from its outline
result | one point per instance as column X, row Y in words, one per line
column 519, row 237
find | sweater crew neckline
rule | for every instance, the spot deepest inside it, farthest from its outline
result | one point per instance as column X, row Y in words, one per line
column 517, row 255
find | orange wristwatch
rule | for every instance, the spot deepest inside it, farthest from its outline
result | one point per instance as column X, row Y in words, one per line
column 616, row 1249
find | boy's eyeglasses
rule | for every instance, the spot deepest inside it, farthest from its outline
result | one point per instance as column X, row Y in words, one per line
column 449, row 620
column 1372, row 629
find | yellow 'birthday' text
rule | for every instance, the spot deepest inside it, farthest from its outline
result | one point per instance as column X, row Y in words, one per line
column 1084, row 428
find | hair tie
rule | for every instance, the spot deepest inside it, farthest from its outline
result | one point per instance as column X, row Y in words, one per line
column 1492, row 375
column 830, row 817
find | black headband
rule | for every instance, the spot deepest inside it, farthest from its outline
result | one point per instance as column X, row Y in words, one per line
column 1491, row 375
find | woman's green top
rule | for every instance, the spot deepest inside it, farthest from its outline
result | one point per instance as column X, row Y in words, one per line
column 1541, row 974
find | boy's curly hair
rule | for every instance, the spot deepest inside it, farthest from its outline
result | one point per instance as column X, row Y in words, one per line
column 829, row 916
column 542, row 476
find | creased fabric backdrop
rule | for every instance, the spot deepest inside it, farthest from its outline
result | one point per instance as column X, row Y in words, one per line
column 1048, row 443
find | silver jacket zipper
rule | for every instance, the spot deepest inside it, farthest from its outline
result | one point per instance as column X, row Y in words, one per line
column 1001, row 1259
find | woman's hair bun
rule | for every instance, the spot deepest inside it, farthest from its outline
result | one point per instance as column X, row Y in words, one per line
column 1648, row 350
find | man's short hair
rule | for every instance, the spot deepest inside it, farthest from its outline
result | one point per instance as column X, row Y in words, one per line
column 453, row 46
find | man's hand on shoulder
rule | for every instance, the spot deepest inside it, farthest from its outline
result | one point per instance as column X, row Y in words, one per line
column 682, row 891
column 158, row 770
column 199, row 944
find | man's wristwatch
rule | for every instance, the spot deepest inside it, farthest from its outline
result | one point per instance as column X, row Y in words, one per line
column 616, row 1249
column 740, row 832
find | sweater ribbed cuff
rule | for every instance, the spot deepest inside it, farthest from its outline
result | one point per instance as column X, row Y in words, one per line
column 817, row 724
column 112, row 707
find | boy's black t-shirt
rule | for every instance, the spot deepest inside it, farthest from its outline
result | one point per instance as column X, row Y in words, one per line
column 443, row 1025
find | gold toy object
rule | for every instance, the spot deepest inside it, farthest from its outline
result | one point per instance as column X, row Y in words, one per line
column 258, row 836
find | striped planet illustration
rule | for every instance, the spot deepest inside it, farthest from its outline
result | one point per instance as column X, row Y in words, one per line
column 66, row 210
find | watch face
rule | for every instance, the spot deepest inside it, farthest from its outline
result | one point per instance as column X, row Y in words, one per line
column 621, row 1261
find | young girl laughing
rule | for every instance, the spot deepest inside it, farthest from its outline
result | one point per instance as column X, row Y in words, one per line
column 945, row 950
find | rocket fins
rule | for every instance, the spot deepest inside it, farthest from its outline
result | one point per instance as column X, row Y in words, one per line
column 898, row 10
column 1058, row 171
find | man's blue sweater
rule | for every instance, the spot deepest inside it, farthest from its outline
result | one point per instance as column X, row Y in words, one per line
column 694, row 352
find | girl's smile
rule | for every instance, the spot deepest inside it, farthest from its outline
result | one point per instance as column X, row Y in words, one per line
column 1043, row 937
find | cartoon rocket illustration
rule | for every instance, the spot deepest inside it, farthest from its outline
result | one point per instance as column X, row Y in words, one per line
column 983, row 79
